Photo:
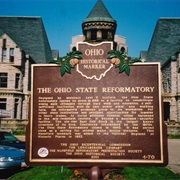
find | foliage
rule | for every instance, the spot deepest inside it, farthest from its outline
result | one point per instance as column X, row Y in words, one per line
column 149, row 173
column 121, row 61
column 174, row 136
column 44, row 173
column 77, row 175
column 65, row 62
column 114, row 173
column 129, row 173
column 17, row 132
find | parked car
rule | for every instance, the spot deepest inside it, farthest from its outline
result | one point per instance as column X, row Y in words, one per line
column 11, row 158
column 9, row 139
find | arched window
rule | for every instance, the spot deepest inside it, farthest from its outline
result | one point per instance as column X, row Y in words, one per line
column 74, row 48
column 123, row 49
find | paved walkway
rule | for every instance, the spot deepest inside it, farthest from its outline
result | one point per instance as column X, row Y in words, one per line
column 174, row 155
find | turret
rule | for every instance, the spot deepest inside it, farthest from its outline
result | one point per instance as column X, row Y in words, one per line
column 99, row 25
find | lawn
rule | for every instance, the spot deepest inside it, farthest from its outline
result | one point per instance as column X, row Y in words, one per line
column 127, row 173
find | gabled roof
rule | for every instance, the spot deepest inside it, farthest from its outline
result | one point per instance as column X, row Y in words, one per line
column 29, row 34
column 99, row 13
column 165, row 41
column 1, row 32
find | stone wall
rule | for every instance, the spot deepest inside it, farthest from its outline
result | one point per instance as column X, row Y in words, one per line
column 17, row 65
column 9, row 125
column 173, row 129
column 171, row 86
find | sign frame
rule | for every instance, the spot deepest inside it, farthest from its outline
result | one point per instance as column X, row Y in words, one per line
column 40, row 157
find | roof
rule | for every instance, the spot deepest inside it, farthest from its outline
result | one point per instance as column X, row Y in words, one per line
column 165, row 41
column 99, row 13
column 29, row 34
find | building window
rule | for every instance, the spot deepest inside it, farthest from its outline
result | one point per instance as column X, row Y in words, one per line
column 166, row 111
column 17, row 82
column 16, row 103
column 110, row 35
column 123, row 50
column 3, row 103
column 105, row 35
column 3, row 80
column 4, row 43
column 4, row 54
column 74, row 48
column 93, row 34
column 11, row 54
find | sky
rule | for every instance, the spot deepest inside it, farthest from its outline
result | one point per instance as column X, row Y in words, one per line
column 62, row 19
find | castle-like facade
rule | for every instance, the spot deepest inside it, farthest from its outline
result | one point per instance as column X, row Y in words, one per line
column 23, row 42
column 165, row 48
column 99, row 26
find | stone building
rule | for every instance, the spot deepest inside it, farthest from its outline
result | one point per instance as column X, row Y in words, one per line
column 23, row 41
column 99, row 26
column 165, row 48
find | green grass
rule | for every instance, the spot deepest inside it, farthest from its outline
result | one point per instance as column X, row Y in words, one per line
column 63, row 173
column 174, row 136
column 16, row 132
column 149, row 173
column 44, row 173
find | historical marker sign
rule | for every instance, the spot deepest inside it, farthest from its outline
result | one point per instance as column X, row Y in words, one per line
column 89, row 118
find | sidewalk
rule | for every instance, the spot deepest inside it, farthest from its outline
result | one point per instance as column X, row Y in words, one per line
column 21, row 137
column 174, row 155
